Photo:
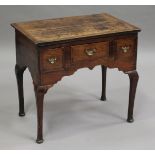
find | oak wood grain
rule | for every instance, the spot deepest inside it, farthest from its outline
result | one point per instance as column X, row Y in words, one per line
column 66, row 40
column 79, row 52
column 49, row 30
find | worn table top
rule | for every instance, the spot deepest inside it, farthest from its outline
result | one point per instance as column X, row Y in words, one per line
column 49, row 30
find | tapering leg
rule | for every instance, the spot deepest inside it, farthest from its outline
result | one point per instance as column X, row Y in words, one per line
column 133, row 76
column 39, row 93
column 104, row 71
column 19, row 76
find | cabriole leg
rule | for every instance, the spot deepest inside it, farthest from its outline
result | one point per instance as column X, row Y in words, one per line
column 104, row 71
column 133, row 76
column 19, row 76
column 40, row 91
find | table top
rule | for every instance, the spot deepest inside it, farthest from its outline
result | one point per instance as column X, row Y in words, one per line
column 50, row 30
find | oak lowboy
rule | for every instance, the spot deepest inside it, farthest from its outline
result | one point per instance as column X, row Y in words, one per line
column 54, row 48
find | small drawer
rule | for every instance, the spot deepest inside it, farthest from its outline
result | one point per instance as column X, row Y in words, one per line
column 89, row 51
column 51, row 59
column 126, row 50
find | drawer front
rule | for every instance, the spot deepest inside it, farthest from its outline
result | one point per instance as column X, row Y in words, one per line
column 51, row 59
column 126, row 50
column 89, row 51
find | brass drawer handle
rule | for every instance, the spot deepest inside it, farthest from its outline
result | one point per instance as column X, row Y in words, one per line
column 90, row 52
column 125, row 49
column 52, row 60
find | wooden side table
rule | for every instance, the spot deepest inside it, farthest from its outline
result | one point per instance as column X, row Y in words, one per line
column 54, row 48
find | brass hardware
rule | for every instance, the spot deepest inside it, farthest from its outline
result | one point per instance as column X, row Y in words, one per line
column 125, row 49
column 52, row 60
column 90, row 52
